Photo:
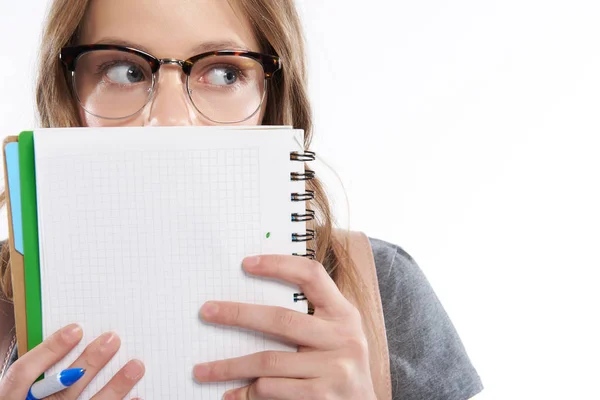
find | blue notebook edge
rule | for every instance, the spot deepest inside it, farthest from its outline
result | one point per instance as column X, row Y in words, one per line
column 14, row 190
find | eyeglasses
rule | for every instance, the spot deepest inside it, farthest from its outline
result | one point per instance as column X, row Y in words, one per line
column 116, row 82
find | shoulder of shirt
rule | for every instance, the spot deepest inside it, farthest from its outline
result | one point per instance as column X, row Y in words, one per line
column 388, row 255
column 415, row 320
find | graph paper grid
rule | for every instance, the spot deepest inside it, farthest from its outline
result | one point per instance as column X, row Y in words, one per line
column 135, row 241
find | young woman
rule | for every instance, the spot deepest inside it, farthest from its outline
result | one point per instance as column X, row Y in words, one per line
column 162, row 62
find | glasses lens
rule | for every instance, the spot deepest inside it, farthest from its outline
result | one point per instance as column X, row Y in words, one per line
column 227, row 89
column 111, row 83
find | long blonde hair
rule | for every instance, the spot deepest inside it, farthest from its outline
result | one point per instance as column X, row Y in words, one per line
column 278, row 29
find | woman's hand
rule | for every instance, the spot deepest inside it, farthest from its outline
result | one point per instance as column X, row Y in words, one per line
column 333, row 359
column 23, row 373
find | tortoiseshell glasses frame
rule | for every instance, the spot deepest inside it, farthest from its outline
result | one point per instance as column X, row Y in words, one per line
column 72, row 54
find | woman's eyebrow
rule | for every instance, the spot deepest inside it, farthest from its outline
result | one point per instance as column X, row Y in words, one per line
column 203, row 47
column 217, row 45
column 121, row 42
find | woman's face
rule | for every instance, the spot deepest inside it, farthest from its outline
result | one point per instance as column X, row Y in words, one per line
column 175, row 29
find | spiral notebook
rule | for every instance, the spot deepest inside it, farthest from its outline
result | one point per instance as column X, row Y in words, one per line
column 131, row 230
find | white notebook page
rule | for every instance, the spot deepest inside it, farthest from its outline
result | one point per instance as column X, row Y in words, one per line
column 138, row 227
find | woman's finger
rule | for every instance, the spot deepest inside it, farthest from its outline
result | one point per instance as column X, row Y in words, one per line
column 264, row 364
column 277, row 389
column 122, row 382
column 21, row 375
column 310, row 275
column 290, row 325
column 95, row 356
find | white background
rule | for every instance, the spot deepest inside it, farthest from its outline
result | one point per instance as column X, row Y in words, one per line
column 466, row 132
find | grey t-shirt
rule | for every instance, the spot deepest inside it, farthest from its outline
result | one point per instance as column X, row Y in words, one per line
column 427, row 358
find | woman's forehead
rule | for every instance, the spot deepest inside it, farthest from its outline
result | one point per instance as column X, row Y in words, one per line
column 168, row 28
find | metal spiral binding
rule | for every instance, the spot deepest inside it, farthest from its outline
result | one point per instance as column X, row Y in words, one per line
column 307, row 175
column 299, row 297
column 303, row 237
column 308, row 215
column 306, row 196
column 306, row 156
column 310, row 253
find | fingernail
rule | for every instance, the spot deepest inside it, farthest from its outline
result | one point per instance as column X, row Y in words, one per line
column 251, row 262
column 133, row 370
column 72, row 333
column 106, row 338
column 229, row 395
column 209, row 309
column 201, row 371
column 107, row 342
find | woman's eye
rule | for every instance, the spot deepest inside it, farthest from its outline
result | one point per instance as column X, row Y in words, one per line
column 125, row 74
column 222, row 76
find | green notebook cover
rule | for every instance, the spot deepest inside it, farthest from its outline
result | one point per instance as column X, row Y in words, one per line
column 31, row 256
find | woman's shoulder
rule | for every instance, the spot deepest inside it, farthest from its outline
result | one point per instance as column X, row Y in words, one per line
column 396, row 269
column 427, row 357
column 387, row 255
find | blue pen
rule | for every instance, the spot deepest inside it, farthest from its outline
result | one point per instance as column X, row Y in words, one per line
column 55, row 383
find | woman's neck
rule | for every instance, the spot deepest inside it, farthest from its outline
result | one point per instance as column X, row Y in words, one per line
column 7, row 323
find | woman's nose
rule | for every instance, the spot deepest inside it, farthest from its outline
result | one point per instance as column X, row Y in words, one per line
column 170, row 105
